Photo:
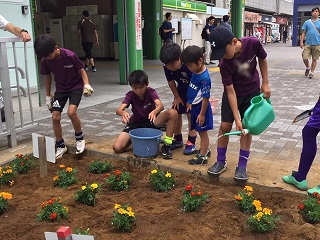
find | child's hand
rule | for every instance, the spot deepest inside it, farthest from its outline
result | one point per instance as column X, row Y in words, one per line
column 87, row 90
column 152, row 117
column 239, row 126
column 189, row 106
column 265, row 88
column 200, row 119
column 125, row 117
column 49, row 101
column 176, row 103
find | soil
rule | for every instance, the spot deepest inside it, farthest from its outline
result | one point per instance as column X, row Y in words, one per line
column 159, row 215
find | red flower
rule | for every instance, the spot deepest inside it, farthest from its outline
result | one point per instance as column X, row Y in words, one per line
column 53, row 216
column 193, row 194
column 21, row 163
column 315, row 194
column 106, row 175
column 301, row 206
column 117, row 172
column 188, row 187
column 199, row 193
column 27, row 158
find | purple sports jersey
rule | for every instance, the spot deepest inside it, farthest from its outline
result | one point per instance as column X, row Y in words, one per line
column 141, row 108
column 314, row 120
column 65, row 70
column 242, row 71
column 182, row 76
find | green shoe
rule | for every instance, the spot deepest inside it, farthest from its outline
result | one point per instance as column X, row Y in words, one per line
column 315, row 189
column 300, row 185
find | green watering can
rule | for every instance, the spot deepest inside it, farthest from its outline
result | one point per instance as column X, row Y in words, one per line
column 257, row 117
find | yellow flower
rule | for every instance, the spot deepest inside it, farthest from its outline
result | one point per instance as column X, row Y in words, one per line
column 66, row 208
column 248, row 188
column 258, row 216
column 11, row 182
column 68, row 169
column 55, row 178
column 94, row 186
column 9, row 171
column 6, row 195
column 168, row 175
column 267, row 211
column 238, row 197
column 131, row 214
column 154, row 171
column 129, row 209
column 249, row 194
column 62, row 166
column 83, row 187
column 116, row 206
column 257, row 204
column 122, row 211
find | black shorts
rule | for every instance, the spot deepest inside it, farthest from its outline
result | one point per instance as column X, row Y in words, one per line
column 60, row 99
column 131, row 126
column 87, row 48
column 243, row 104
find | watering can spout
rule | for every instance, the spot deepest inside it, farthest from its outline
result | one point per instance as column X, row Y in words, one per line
column 244, row 131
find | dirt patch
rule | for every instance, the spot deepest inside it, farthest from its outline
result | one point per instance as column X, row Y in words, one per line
column 159, row 215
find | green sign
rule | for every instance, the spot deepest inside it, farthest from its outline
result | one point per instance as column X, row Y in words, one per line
column 185, row 5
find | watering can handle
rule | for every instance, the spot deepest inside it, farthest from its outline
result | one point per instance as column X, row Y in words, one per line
column 268, row 100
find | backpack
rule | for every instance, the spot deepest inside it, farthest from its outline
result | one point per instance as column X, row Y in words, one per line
column 204, row 33
column 163, row 35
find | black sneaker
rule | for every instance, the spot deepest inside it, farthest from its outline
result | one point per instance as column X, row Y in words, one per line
column 197, row 152
column 198, row 159
column 241, row 174
column 306, row 73
column 217, row 168
column 93, row 69
column 176, row 144
column 166, row 151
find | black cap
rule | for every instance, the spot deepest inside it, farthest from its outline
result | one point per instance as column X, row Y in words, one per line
column 219, row 38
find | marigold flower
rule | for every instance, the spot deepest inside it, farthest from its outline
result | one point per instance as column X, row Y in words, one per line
column 118, row 172
column 116, row 206
column 62, row 166
column 168, row 175
column 129, row 209
column 94, row 185
column 193, row 194
column 27, row 158
column 55, row 178
column 83, row 187
column 53, row 216
column 199, row 193
column 258, row 216
column 121, row 211
column 315, row 194
column 106, row 175
column 66, row 208
column 6, row 195
column 154, row 171
column 248, row 188
column 257, row 204
column 267, row 211
column 131, row 214
column 238, row 197
column 43, row 205
column 68, row 169
column 301, row 206
column 188, row 187
column 11, row 182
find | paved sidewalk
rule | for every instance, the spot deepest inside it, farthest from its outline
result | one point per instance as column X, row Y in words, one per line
column 274, row 153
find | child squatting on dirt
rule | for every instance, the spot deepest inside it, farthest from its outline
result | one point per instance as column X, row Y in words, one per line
column 198, row 100
column 178, row 77
column 240, row 78
column 146, row 113
column 71, row 82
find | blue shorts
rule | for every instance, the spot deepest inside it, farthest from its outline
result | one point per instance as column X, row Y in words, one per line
column 208, row 122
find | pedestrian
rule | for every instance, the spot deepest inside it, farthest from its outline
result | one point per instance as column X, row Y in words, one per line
column 198, row 100
column 178, row 78
column 147, row 112
column 240, row 78
column 308, row 153
column 71, row 81
column 19, row 32
column 225, row 22
column 87, row 35
column 168, row 29
column 311, row 47
column 285, row 36
column 207, row 45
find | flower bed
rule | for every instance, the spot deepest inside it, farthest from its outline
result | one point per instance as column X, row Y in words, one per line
column 159, row 215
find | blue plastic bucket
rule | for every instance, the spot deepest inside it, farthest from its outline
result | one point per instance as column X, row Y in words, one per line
column 145, row 142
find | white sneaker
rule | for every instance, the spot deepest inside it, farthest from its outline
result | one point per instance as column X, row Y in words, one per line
column 60, row 151
column 80, row 146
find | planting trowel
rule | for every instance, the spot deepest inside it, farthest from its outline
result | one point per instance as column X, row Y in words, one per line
column 303, row 115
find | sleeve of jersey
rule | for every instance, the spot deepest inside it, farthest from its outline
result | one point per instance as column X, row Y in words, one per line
column 154, row 94
column 261, row 53
column 127, row 99
column 205, row 87
column 167, row 73
column 44, row 70
column 76, row 61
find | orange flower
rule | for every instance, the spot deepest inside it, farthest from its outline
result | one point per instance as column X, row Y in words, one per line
column 315, row 194
column 117, row 172
column 106, row 175
column 53, row 216
column 238, row 197
column 199, row 193
column 44, row 204
column 301, row 206
column 193, row 194
column 68, row 169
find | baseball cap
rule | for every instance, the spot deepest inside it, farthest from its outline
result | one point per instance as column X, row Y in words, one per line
column 219, row 38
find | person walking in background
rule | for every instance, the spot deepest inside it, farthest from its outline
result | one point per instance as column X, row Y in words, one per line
column 71, row 82
column 285, row 36
column 311, row 48
column 87, row 35
column 168, row 29
column 198, row 100
column 225, row 22
column 241, row 81
column 207, row 45
column 178, row 76
column 308, row 153
column 19, row 32
column 147, row 112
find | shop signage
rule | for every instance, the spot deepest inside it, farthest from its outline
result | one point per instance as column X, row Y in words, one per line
column 281, row 20
column 185, row 5
column 138, row 24
column 251, row 17
column 266, row 18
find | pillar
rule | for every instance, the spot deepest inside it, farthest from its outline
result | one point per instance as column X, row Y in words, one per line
column 237, row 15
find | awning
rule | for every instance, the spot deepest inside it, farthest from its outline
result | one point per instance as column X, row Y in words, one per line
column 194, row 18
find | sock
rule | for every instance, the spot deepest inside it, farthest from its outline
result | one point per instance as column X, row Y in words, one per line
column 168, row 140
column 178, row 138
column 60, row 143
column 221, row 157
column 192, row 139
column 79, row 136
column 243, row 158
column 309, row 150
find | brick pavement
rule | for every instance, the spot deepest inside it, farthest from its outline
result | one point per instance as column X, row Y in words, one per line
column 274, row 152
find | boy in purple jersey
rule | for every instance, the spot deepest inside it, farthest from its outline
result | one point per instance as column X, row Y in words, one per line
column 308, row 153
column 198, row 95
column 178, row 77
column 240, row 78
column 71, row 82
column 146, row 113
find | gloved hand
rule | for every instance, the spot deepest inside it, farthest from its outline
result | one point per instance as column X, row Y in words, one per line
column 87, row 90
column 49, row 101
